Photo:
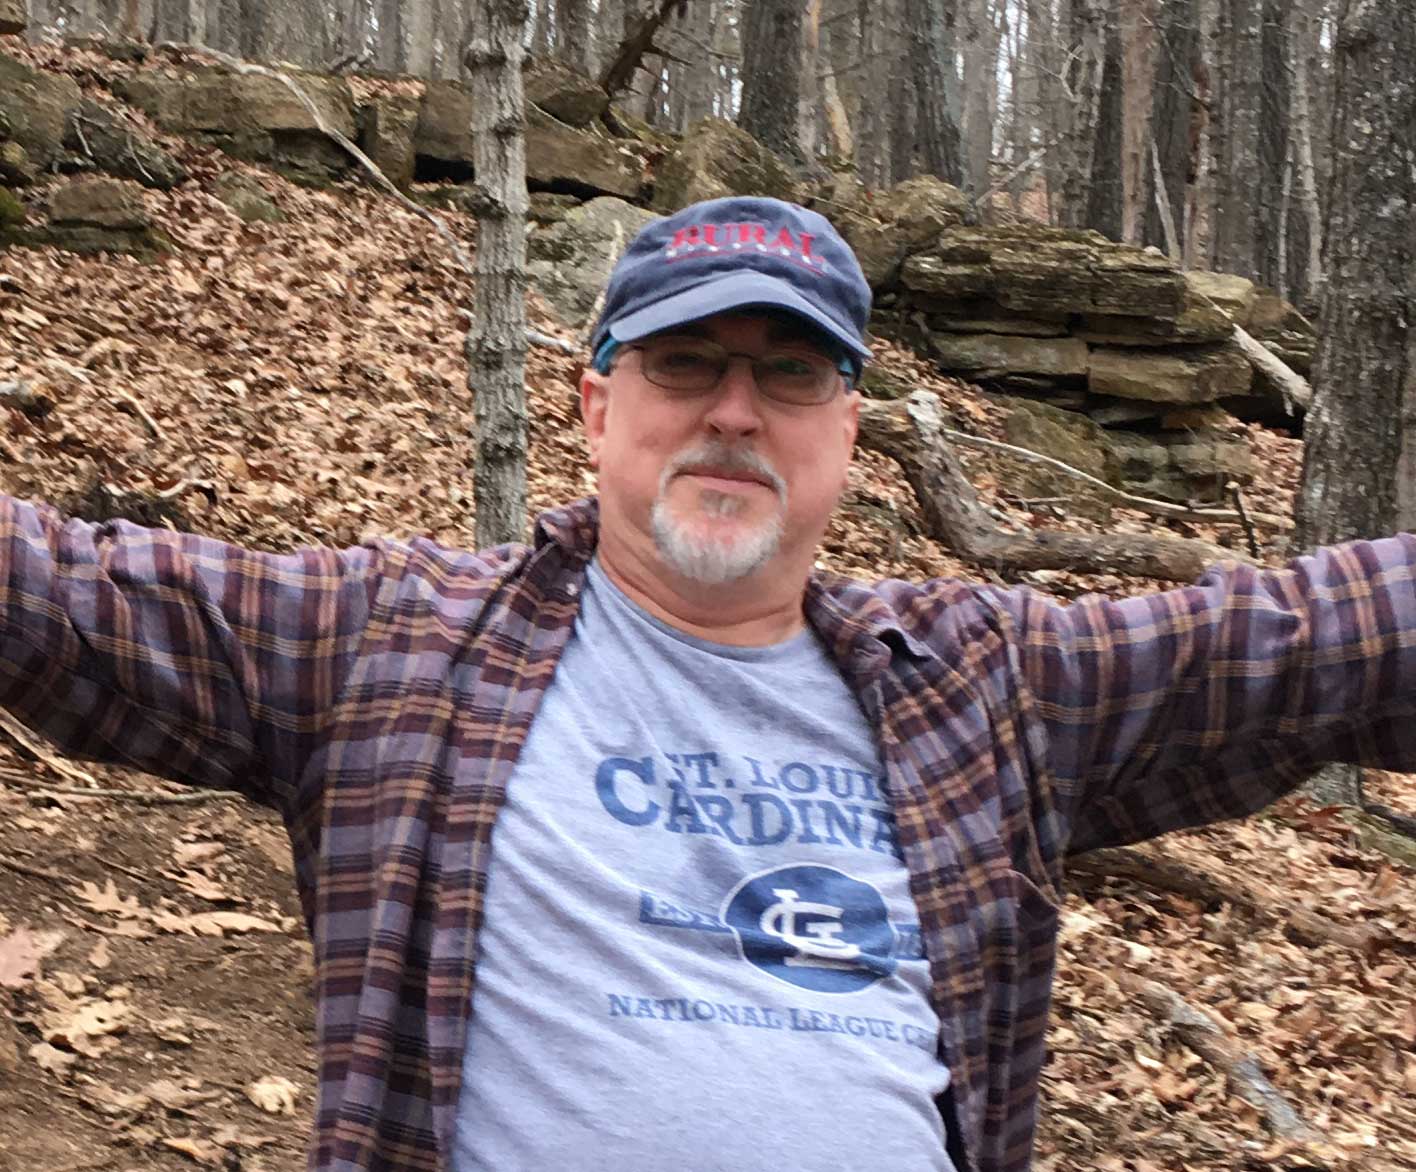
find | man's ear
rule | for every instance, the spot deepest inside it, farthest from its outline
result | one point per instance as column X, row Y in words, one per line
column 852, row 421
column 594, row 403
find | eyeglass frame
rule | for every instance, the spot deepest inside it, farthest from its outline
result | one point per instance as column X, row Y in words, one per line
column 843, row 367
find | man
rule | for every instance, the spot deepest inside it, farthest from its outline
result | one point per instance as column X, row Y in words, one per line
column 651, row 845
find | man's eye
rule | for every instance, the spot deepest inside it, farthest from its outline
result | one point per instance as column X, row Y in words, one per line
column 789, row 364
column 684, row 360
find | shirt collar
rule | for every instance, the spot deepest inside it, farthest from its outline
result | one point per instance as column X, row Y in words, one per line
column 857, row 624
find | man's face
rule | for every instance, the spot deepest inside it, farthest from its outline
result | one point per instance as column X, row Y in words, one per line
column 721, row 482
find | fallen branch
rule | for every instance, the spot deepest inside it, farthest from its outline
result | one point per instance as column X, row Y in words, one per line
column 912, row 433
column 36, row 788
column 1297, row 392
column 1158, row 874
column 1141, row 504
column 130, row 401
column 1237, row 495
column 37, row 749
column 1207, row 1038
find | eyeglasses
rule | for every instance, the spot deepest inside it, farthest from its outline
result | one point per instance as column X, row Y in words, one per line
column 689, row 365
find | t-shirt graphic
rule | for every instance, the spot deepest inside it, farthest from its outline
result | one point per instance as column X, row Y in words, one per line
column 700, row 949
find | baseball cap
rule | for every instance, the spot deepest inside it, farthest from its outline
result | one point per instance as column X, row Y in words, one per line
column 735, row 253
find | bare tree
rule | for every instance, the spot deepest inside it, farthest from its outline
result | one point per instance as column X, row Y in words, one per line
column 980, row 90
column 1106, row 193
column 1078, row 110
column 1177, row 48
column 930, row 25
column 1359, row 465
column 496, row 342
column 771, row 74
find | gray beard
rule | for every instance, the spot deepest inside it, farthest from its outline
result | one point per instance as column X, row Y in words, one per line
column 715, row 561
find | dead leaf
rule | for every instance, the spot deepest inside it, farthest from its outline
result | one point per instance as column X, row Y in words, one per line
column 232, row 1137
column 175, row 1097
column 86, row 1027
column 203, row 887
column 108, row 900
column 52, row 1059
column 100, row 957
column 20, row 954
column 274, row 1095
column 201, row 1150
column 213, row 923
column 189, row 854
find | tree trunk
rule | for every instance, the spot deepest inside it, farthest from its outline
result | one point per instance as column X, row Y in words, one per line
column 1137, row 19
column 1270, row 209
column 879, row 81
column 1309, row 272
column 496, row 342
column 809, row 97
column 1359, row 465
column 980, row 89
column 930, row 28
column 1081, row 82
column 573, row 33
column 1177, row 48
column 1237, row 77
column 841, row 138
column 1106, row 194
column 771, row 74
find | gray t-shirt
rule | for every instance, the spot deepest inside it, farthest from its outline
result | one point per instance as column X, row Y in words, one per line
column 700, row 950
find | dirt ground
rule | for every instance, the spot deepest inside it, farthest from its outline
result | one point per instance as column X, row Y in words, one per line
column 159, row 1031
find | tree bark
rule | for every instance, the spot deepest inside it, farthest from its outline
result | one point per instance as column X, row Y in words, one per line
column 1081, row 85
column 1361, row 432
column 1308, row 276
column 1359, row 463
column 1138, row 87
column 980, row 93
column 930, row 27
column 1270, row 208
column 573, row 33
column 1176, row 52
column 496, row 342
column 911, row 433
column 771, row 74
column 1106, row 194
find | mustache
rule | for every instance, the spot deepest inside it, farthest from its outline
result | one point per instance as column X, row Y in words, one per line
column 728, row 459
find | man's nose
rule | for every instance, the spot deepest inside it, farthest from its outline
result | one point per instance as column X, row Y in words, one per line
column 737, row 403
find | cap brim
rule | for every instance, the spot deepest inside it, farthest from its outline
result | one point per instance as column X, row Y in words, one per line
column 734, row 291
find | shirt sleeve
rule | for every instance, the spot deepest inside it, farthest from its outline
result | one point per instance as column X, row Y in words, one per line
column 186, row 657
column 1205, row 703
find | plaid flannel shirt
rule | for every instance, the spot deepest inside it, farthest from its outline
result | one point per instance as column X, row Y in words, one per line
column 377, row 697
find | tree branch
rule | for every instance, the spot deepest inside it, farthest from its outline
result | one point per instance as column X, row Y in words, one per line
column 1207, row 1038
column 1142, row 504
column 617, row 75
column 912, row 433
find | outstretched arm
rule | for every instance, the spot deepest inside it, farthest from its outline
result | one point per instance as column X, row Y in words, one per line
column 184, row 656
column 1195, row 705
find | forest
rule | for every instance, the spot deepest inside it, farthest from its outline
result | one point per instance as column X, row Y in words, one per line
column 294, row 275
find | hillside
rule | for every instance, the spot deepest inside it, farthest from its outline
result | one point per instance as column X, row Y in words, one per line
column 302, row 381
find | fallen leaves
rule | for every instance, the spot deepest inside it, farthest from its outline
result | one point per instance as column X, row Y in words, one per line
column 21, row 952
column 274, row 1095
column 108, row 901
